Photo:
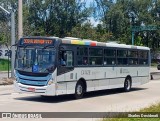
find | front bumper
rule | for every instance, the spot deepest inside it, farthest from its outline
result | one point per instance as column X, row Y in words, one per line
column 48, row 90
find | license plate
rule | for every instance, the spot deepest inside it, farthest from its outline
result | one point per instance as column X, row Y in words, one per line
column 31, row 89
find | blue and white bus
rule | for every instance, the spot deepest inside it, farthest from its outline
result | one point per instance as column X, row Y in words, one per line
column 56, row 66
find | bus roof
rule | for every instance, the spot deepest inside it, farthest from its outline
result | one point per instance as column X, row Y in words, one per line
column 88, row 42
column 95, row 43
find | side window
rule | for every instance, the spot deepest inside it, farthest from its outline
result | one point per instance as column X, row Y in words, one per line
column 132, row 57
column 122, row 57
column 109, row 57
column 82, row 56
column 143, row 57
column 66, row 58
column 95, row 56
column 122, row 53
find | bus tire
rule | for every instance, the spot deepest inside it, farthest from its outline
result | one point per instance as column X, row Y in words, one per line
column 127, row 84
column 79, row 90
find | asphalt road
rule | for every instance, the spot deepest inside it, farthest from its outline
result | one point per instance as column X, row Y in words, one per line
column 114, row 100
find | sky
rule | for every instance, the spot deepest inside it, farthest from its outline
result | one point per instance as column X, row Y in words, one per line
column 92, row 20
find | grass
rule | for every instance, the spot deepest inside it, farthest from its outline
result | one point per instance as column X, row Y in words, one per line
column 153, row 108
column 4, row 65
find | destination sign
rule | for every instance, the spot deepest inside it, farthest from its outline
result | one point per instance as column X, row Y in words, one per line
column 36, row 42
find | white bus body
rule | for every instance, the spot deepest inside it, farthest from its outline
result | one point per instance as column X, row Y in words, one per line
column 76, row 78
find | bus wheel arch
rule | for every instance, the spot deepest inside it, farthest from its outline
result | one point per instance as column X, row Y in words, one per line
column 80, row 88
column 128, row 83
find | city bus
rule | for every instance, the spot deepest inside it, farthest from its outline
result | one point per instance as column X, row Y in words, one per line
column 52, row 66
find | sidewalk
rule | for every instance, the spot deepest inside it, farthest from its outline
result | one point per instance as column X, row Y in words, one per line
column 4, row 74
column 4, row 80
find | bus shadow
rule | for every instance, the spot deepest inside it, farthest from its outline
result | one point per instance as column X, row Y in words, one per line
column 110, row 92
column 66, row 98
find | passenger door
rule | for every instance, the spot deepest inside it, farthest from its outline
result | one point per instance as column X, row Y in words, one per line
column 65, row 65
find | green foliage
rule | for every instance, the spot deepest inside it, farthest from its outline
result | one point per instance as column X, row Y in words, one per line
column 132, row 119
column 120, row 16
column 70, row 18
column 4, row 34
column 138, row 41
column 54, row 17
column 2, row 38
column 4, row 65
column 153, row 108
column 4, row 20
column 87, row 31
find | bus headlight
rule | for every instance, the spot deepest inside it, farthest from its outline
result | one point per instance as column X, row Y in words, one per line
column 50, row 82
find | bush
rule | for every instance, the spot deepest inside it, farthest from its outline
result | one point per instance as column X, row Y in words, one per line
column 4, row 65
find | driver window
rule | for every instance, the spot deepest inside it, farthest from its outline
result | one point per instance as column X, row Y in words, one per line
column 66, row 58
column 62, row 58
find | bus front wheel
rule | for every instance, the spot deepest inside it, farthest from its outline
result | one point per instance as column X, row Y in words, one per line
column 127, row 85
column 79, row 90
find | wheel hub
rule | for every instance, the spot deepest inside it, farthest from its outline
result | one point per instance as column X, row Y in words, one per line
column 79, row 89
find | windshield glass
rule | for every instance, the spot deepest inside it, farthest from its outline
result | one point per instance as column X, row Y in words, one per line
column 35, row 60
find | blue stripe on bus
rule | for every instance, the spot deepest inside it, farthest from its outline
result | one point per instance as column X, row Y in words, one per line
column 30, row 80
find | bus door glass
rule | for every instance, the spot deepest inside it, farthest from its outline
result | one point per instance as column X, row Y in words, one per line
column 65, row 61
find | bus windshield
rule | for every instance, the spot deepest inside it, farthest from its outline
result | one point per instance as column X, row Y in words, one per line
column 37, row 60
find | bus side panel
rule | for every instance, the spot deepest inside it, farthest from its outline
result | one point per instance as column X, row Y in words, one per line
column 116, row 83
column 104, row 84
column 99, row 78
column 145, row 80
column 71, row 87
column 116, row 80
column 61, row 85
column 133, row 72
column 71, row 80
column 102, row 74
column 136, row 81
column 90, row 85
column 87, row 75
column 144, row 73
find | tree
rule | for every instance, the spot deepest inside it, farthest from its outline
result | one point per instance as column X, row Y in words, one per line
column 119, row 16
column 5, row 20
column 87, row 31
column 56, row 17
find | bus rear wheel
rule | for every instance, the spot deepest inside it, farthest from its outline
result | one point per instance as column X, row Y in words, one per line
column 127, row 85
column 79, row 90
